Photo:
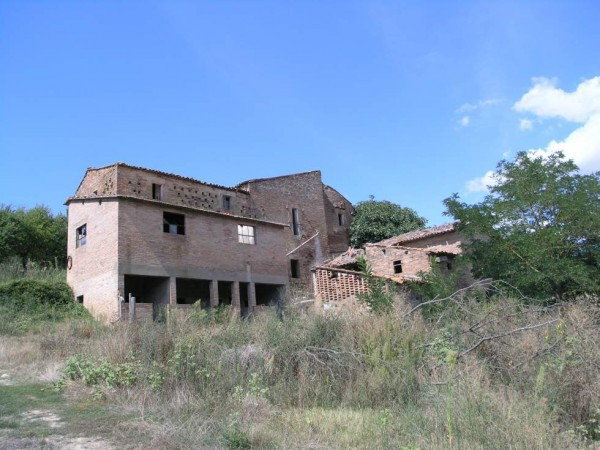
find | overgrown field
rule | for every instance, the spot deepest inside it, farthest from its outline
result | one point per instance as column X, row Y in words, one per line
column 476, row 372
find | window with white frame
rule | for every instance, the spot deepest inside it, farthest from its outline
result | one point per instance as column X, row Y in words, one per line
column 246, row 234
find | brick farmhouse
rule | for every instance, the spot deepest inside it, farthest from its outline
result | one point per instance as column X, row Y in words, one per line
column 171, row 240
column 397, row 260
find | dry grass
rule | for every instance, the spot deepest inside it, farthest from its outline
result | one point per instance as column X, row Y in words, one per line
column 351, row 381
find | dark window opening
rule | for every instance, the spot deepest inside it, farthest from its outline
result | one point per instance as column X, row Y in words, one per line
column 81, row 236
column 398, row 266
column 295, row 222
column 226, row 202
column 449, row 266
column 173, row 223
column 340, row 220
column 295, row 268
column 157, row 191
column 80, row 299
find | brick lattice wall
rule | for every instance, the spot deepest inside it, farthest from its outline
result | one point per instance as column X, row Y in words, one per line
column 338, row 285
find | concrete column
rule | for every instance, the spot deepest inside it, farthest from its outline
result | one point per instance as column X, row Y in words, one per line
column 251, row 297
column 235, row 295
column 172, row 291
column 214, row 293
column 317, row 292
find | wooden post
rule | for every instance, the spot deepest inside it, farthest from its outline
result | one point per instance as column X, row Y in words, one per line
column 120, row 306
column 131, row 308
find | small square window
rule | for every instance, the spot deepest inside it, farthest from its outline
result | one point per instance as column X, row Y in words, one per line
column 80, row 299
column 81, row 236
column 246, row 234
column 295, row 268
column 157, row 191
column 173, row 223
column 226, row 202
column 398, row 266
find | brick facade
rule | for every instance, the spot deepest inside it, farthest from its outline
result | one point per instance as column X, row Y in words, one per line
column 398, row 259
column 128, row 250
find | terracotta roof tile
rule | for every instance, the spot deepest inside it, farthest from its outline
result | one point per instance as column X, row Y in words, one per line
column 417, row 235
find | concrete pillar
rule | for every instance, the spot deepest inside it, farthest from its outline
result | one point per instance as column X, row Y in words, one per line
column 251, row 297
column 235, row 295
column 214, row 293
column 172, row 291
column 317, row 291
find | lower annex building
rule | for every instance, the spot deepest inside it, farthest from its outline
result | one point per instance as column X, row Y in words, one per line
column 172, row 240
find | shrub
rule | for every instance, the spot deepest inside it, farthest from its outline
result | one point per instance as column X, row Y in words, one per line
column 27, row 303
column 377, row 298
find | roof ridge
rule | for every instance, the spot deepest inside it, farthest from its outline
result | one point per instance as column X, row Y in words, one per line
column 169, row 174
column 255, row 180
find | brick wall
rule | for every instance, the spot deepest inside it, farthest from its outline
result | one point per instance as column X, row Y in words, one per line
column 210, row 244
column 338, row 235
column 93, row 272
column 382, row 260
column 179, row 191
column 277, row 197
column 98, row 182
column 413, row 255
column 337, row 285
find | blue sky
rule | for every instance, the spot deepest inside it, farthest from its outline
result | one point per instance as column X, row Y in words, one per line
column 406, row 101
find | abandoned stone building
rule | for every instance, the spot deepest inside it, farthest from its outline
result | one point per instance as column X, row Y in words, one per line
column 397, row 260
column 171, row 240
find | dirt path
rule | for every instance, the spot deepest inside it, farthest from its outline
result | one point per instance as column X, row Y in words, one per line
column 36, row 416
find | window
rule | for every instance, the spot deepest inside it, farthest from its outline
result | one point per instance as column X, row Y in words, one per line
column 80, row 299
column 173, row 223
column 398, row 266
column 295, row 268
column 81, row 236
column 295, row 222
column 226, row 202
column 246, row 234
column 341, row 220
column 157, row 191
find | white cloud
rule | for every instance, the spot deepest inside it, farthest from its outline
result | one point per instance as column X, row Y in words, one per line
column 480, row 184
column 526, row 124
column 545, row 100
column 582, row 145
column 464, row 121
column 582, row 106
column 480, row 104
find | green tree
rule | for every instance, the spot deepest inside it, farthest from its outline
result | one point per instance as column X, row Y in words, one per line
column 377, row 220
column 33, row 235
column 538, row 229
column 378, row 297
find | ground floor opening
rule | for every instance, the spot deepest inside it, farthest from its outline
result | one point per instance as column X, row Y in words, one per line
column 151, row 294
column 269, row 294
column 190, row 291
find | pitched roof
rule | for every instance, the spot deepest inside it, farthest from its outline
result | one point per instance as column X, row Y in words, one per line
column 417, row 235
column 172, row 175
column 258, row 180
column 345, row 259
